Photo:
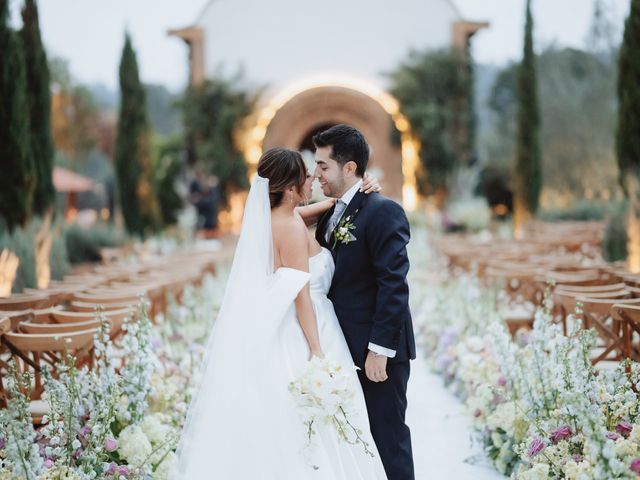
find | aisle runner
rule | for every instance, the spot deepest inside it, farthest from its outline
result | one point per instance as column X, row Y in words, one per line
column 441, row 431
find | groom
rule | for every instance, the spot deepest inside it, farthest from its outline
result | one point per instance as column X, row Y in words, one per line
column 368, row 235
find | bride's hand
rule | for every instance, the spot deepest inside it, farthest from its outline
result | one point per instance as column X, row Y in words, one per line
column 370, row 184
column 317, row 353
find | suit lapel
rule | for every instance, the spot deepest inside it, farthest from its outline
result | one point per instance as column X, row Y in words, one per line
column 322, row 227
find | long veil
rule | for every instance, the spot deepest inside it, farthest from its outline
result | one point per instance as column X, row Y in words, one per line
column 242, row 400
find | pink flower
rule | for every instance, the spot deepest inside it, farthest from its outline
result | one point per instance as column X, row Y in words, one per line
column 502, row 381
column 48, row 463
column 537, row 445
column 1, row 443
column 110, row 445
column 112, row 469
column 86, row 430
column 477, row 413
column 123, row 471
column 624, row 428
column 613, row 436
column 560, row 434
column 577, row 458
column 635, row 465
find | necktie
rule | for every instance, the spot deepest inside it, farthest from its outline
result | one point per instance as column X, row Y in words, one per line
column 335, row 218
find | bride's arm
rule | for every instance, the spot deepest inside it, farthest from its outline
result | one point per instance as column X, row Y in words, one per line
column 311, row 213
column 294, row 253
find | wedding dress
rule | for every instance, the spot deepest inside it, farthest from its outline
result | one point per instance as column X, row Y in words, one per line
column 243, row 423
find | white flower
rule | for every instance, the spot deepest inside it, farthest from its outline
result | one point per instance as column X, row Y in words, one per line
column 134, row 446
column 155, row 428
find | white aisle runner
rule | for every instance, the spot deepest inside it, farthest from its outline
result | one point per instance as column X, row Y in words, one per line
column 441, row 431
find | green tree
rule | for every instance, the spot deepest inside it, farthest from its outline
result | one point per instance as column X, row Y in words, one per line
column 628, row 130
column 16, row 161
column 431, row 87
column 39, row 97
column 528, row 173
column 132, row 158
column 212, row 111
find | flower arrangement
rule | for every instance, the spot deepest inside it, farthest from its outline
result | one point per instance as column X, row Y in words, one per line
column 122, row 419
column 538, row 405
column 324, row 395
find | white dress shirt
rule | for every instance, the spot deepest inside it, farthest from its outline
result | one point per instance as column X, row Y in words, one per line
column 346, row 198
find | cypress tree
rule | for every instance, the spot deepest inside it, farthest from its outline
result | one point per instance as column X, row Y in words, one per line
column 528, row 173
column 37, row 71
column 16, row 163
column 133, row 167
column 628, row 128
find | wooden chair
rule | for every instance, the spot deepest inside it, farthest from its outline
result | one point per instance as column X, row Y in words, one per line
column 629, row 316
column 32, row 352
column 25, row 302
column 5, row 326
column 597, row 315
column 116, row 315
column 564, row 301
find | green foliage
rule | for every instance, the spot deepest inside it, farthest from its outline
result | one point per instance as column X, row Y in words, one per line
column 164, row 110
column 431, row 88
column 84, row 244
column 628, row 131
column 39, row 97
column 528, row 173
column 168, row 165
column 580, row 210
column 76, row 117
column 578, row 108
column 59, row 257
column 133, row 163
column 212, row 111
column 614, row 244
column 16, row 161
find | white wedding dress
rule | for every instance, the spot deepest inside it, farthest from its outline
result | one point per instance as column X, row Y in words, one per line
column 243, row 423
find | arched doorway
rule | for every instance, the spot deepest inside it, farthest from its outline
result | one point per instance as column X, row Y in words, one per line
column 315, row 109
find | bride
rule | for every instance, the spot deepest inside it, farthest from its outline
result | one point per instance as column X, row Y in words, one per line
column 275, row 316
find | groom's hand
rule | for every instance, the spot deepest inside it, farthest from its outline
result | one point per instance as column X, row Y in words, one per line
column 375, row 367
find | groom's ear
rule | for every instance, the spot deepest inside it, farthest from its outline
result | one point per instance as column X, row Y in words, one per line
column 350, row 169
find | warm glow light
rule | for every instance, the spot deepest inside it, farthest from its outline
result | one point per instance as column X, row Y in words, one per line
column 254, row 136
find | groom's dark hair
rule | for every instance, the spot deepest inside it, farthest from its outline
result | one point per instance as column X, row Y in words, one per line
column 347, row 145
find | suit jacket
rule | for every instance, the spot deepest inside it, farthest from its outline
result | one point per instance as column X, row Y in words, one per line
column 369, row 290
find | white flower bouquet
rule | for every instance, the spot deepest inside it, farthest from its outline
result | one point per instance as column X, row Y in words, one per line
column 324, row 395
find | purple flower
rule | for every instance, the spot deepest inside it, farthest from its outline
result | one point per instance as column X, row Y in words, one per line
column 537, row 445
column 560, row 434
column 86, row 430
column 48, row 463
column 613, row 436
column 77, row 454
column 477, row 413
column 112, row 469
column 502, row 381
column 448, row 338
column 635, row 465
column 123, row 470
column 110, row 445
column 624, row 428
column 1, row 443
column 577, row 458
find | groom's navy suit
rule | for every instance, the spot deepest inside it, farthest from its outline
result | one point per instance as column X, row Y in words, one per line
column 371, row 298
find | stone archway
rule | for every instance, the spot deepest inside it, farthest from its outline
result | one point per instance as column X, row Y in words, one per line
column 328, row 105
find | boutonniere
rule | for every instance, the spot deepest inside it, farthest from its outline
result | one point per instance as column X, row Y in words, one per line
column 343, row 232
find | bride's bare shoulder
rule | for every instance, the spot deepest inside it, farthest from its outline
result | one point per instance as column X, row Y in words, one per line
column 289, row 230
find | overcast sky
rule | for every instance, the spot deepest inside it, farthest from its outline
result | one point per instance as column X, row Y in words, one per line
column 89, row 33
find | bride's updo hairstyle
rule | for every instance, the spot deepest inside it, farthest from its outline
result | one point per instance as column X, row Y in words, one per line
column 283, row 168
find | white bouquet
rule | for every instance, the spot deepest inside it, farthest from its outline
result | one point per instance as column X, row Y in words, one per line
column 324, row 394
